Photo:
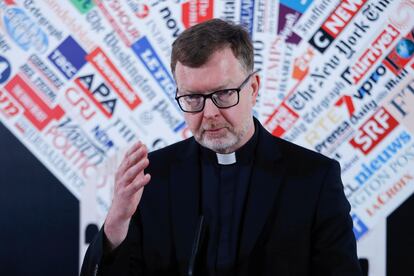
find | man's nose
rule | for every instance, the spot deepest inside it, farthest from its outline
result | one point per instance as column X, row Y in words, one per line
column 210, row 109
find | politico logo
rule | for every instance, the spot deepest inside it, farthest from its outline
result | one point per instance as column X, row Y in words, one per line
column 335, row 24
column 196, row 11
column 374, row 130
column 69, row 57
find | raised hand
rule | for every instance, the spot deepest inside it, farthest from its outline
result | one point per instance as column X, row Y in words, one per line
column 130, row 180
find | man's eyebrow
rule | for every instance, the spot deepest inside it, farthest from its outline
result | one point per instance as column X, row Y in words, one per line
column 221, row 87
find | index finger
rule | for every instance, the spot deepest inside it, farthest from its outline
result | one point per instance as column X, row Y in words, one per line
column 134, row 148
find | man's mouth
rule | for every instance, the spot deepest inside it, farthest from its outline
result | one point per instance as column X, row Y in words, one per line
column 214, row 129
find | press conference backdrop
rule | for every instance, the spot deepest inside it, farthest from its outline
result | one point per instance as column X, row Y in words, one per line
column 80, row 81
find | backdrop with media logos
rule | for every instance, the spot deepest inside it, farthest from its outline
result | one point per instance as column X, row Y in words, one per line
column 80, row 81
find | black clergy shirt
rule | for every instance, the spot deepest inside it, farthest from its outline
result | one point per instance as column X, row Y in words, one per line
column 224, row 193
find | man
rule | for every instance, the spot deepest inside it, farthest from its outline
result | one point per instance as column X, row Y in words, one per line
column 269, row 207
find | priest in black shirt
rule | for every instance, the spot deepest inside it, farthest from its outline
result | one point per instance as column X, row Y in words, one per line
column 268, row 207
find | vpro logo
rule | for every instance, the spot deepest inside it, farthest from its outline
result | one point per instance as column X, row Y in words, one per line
column 147, row 55
column 69, row 57
column 5, row 69
column 24, row 31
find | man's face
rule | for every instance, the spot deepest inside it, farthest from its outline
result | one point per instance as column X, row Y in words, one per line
column 221, row 130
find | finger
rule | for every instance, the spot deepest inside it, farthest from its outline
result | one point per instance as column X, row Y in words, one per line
column 137, row 184
column 134, row 171
column 133, row 148
column 132, row 159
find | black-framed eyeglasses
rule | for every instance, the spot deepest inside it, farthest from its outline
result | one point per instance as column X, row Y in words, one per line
column 224, row 98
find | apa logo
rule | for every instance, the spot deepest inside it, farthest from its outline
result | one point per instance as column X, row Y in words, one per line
column 5, row 69
column 110, row 73
column 101, row 95
column 373, row 131
column 24, row 31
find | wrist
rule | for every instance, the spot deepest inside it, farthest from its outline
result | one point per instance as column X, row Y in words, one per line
column 116, row 231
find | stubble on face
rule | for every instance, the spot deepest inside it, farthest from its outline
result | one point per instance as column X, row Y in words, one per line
column 225, row 140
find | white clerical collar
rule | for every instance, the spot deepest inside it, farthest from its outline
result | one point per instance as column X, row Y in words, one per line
column 226, row 158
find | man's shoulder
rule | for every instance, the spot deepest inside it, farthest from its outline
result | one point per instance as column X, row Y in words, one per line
column 298, row 154
column 172, row 152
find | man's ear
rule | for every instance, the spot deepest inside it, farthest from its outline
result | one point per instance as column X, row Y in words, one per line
column 255, row 84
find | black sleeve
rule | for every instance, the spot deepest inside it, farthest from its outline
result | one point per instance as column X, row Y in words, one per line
column 333, row 240
column 124, row 260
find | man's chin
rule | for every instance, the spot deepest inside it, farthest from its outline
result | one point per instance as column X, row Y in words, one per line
column 218, row 145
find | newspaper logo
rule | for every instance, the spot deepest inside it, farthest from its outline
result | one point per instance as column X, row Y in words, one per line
column 297, row 5
column 247, row 15
column 373, row 131
column 197, row 11
column 83, row 6
column 36, row 110
column 147, row 55
column 109, row 72
column 5, row 69
column 24, row 31
column 335, row 24
column 281, row 120
column 68, row 58
column 8, row 106
column 401, row 54
column 371, row 55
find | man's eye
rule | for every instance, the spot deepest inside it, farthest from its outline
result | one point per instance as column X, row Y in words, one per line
column 222, row 95
column 193, row 98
